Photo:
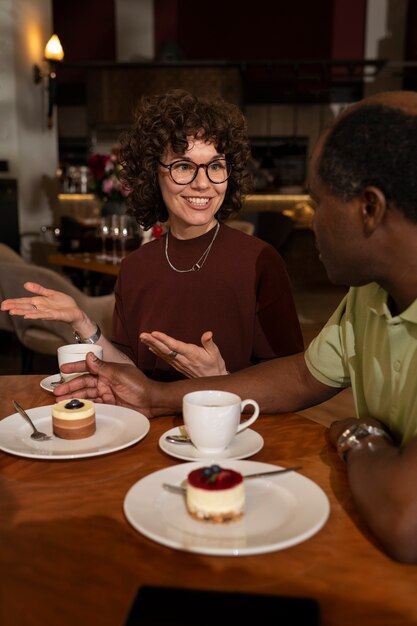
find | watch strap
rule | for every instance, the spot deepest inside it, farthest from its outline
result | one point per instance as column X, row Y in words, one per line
column 92, row 339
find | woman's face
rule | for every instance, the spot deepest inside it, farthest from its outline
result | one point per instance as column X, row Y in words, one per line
column 192, row 207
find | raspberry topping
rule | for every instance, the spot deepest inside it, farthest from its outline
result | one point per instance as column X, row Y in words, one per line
column 214, row 477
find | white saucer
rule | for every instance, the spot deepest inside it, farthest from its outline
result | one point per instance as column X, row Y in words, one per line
column 46, row 383
column 280, row 511
column 244, row 444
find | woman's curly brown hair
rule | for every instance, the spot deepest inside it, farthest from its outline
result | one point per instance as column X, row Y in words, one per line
column 167, row 121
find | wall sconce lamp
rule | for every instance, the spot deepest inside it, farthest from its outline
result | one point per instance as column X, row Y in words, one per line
column 53, row 53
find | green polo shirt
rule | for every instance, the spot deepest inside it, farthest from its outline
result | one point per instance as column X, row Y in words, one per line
column 363, row 346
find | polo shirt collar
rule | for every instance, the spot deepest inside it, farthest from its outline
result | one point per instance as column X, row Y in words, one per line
column 380, row 307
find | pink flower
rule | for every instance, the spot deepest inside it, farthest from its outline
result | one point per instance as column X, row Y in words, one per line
column 105, row 170
column 107, row 186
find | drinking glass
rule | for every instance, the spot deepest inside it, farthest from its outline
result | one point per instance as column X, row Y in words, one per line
column 125, row 234
column 104, row 233
column 115, row 234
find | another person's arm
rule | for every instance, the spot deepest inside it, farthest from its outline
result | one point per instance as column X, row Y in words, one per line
column 382, row 479
column 279, row 386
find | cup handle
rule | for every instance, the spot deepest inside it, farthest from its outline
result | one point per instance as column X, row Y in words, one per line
column 252, row 418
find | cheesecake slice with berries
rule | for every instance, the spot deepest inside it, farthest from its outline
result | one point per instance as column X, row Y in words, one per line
column 215, row 494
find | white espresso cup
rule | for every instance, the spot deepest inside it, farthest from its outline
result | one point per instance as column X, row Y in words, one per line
column 76, row 352
column 212, row 418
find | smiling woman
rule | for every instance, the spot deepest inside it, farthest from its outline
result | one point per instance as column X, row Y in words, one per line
column 204, row 298
column 185, row 162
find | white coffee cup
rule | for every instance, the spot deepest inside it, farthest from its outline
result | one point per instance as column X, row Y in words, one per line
column 212, row 418
column 76, row 352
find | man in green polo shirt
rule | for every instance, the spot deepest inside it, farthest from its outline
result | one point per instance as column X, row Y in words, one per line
column 363, row 180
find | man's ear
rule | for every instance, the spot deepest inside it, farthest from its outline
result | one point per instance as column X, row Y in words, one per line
column 373, row 208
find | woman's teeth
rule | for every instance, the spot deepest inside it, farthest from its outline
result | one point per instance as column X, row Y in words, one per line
column 198, row 201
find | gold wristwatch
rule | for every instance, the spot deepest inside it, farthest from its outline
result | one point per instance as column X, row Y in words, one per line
column 352, row 437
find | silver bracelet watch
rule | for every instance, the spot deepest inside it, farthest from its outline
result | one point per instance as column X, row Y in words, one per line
column 92, row 339
column 352, row 437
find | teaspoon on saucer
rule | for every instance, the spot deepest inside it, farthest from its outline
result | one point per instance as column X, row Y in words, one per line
column 54, row 383
column 178, row 439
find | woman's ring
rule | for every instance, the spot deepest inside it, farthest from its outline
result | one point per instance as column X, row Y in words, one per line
column 34, row 306
column 173, row 354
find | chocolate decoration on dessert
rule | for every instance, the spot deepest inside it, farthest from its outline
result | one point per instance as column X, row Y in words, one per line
column 74, row 404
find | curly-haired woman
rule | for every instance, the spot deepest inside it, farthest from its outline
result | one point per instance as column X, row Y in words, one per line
column 205, row 298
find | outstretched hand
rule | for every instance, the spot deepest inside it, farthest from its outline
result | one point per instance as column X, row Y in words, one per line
column 191, row 360
column 46, row 304
column 109, row 383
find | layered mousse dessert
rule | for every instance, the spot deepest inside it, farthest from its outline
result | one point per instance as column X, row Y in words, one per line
column 73, row 419
column 215, row 494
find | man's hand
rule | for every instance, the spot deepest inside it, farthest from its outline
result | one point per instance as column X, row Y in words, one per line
column 337, row 428
column 109, row 383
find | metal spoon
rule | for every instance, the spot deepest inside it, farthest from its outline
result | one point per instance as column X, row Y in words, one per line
column 37, row 435
column 54, row 383
column 178, row 439
column 182, row 490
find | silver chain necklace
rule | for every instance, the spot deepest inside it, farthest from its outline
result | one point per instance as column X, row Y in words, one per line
column 199, row 264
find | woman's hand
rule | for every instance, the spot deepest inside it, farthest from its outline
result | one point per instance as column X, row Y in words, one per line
column 191, row 360
column 46, row 304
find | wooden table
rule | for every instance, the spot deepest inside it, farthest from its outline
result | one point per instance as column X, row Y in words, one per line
column 68, row 556
column 85, row 261
column 88, row 271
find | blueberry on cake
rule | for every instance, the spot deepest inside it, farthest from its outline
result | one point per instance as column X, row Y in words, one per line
column 73, row 419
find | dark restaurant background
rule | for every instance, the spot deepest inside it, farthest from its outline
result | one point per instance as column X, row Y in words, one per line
column 291, row 66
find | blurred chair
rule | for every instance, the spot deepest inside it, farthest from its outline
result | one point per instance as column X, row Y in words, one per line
column 7, row 255
column 46, row 336
column 243, row 225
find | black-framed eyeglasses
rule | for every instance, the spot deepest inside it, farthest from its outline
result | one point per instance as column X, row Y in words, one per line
column 184, row 172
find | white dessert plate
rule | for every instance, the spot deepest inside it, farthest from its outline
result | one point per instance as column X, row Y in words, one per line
column 281, row 511
column 116, row 428
column 244, row 444
column 46, row 383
